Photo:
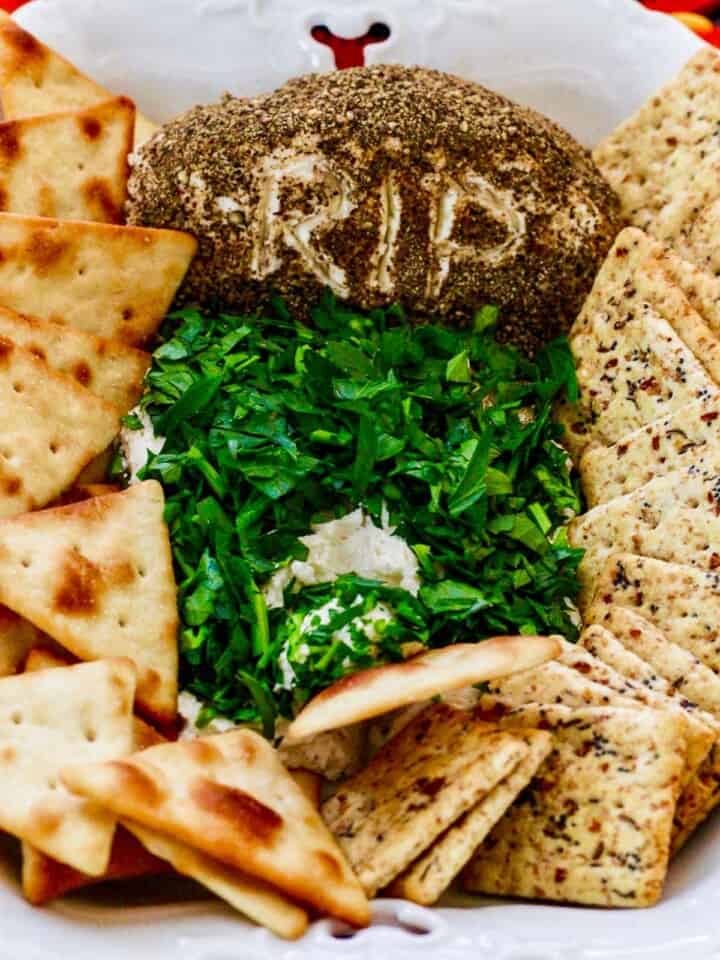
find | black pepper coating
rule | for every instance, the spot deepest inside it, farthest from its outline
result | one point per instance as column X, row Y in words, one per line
column 533, row 217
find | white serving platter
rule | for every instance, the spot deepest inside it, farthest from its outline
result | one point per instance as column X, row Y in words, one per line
column 586, row 63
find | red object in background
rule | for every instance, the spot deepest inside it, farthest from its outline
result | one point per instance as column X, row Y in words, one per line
column 702, row 16
column 350, row 51
column 9, row 6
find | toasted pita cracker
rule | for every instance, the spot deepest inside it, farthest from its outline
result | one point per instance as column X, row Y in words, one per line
column 36, row 80
column 594, row 826
column 73, row 166
column 681, row 600
column 50, row 428
column 673, row 518
column 430, row 876
column 252, row 897
column 107, row 368
column 311, row 785
column 17, row 638
column 97, row 576
column 436, row 769
column 631, row 371
column 681, row 670
column 98, row 469
column 229, row 796
column 662, row 162
column 114, row 282
column 673, row 443
column 45, row 879
column 43, row 658
column 47, row 720
column 371, row 693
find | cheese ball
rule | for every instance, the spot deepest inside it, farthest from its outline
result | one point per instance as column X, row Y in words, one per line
column 386, row 184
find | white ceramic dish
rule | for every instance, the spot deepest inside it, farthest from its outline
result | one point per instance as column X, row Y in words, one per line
column 587, row 63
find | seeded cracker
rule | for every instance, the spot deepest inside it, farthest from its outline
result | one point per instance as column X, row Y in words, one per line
column 662, row 447
column 630, row 373
column 594, row 826
column 435, row 770
column 674, row 518
column 662, row 162
column 97, row 577
column 71, row 165
column 681, row 669
column 556, row 683
column 428, row 878
column 680, row 600
column 36, row 80
column 230, row 797
column 701, row 792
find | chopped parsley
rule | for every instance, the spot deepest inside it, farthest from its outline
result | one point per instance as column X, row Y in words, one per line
column 272, row 426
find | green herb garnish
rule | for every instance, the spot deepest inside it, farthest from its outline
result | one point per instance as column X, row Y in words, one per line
column 272, row 426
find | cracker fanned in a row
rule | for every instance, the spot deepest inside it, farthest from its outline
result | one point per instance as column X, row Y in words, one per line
column 230, row 797
column 72, row 165
column 36, row 80
column 445, row 764
column 594, row 827
column 97, row 577
column 662, row 163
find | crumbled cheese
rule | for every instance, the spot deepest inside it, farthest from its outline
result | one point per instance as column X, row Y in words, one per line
column 189, row 708
column 136, row 444
column 352, row 544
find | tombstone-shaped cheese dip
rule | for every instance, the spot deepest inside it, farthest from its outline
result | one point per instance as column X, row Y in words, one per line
column 386, row 184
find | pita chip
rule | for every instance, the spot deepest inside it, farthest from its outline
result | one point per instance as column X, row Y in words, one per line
column 435, row 770
column 229, row 796
column 97, row 577
column 115, row 282
column 109, row 369
column 426, row 880
column 594, row 826
column 681, row 600
column 17, row 638
column 72, row 165
column 371, row 693
column 250, row 896
column 36, row 80
column 47, row 720
column 674, row 518
column 50, row 428
column 662, row 162
column 45, row 879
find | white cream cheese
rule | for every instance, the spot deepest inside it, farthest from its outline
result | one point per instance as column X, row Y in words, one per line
column 136, row 444
column 352, row 544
